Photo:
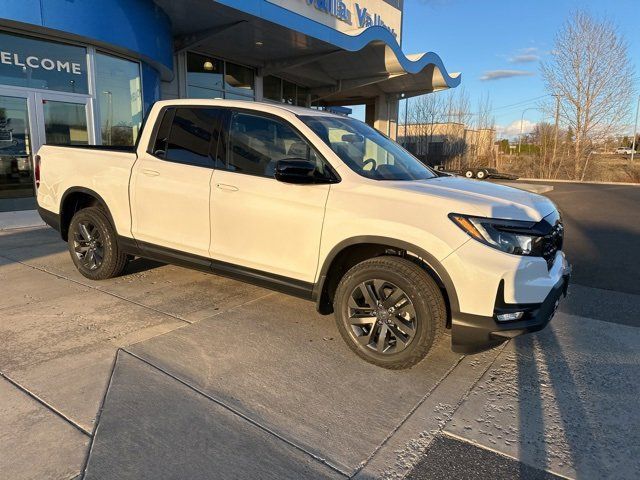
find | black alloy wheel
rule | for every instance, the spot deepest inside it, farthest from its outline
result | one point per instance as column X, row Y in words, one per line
column 93, row 245
column 381, row 316
column 87, row 245
column 389, row 311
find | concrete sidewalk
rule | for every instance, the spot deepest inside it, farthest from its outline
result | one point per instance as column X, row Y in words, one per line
column 20, row 219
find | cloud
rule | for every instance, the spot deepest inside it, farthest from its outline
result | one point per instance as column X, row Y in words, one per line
column 500, row 74
column 513, row 129
column 524, row 58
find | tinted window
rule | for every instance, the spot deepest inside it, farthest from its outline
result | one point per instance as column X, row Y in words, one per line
column 190, row 136
column 220, row 139
column 256, row 143
column 159, row 148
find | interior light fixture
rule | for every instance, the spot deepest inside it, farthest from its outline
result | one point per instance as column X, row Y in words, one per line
column 208, row 66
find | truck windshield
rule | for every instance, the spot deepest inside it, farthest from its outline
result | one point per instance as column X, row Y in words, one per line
column 365, row 150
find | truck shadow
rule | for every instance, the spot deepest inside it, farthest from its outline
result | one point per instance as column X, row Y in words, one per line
column 555, row 429
column 43, row 247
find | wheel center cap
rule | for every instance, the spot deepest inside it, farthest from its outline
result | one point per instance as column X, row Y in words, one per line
column 382, row 314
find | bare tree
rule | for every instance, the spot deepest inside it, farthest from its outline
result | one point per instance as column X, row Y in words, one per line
column 442, row 128
column 591, row 70
column 485, row 124
column 543, row 137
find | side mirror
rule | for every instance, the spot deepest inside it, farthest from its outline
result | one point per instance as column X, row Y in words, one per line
column 298, row 171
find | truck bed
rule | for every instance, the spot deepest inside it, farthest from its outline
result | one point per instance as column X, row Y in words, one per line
column 105, row 171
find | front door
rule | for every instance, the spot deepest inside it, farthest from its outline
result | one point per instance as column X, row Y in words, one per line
column 28, row 120
column 258, row 222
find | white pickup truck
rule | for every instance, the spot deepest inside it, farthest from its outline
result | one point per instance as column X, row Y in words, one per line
column 318, row 206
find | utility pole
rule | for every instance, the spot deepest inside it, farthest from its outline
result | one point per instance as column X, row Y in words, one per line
column 555, row 135
column 406, row 110
column 430, row 133
column 635, row 131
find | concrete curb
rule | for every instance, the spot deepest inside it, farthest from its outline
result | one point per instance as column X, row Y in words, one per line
column 526, row 186
column 548, row 180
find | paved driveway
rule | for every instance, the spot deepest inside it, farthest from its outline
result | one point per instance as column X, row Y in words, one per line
column 171, row 373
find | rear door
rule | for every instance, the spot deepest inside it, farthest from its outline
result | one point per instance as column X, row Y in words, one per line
column 258, row 222
column 171, row 183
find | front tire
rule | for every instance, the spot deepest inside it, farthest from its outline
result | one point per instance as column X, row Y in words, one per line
column 93, row 245
column 389, row 311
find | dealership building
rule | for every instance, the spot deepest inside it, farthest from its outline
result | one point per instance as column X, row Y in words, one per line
column 87, row 71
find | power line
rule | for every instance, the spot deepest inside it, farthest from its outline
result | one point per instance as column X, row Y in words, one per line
column 521, row 103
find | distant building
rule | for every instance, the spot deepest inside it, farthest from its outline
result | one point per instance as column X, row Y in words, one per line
column 438, row 143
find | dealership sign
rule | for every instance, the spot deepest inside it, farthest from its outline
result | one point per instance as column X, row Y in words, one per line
column 33, row 61
column 43, row 64
column 348, row 16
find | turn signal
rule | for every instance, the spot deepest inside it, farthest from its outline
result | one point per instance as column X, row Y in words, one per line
column 465, row 224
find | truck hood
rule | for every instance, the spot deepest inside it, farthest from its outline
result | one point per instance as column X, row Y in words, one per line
column 479, row 198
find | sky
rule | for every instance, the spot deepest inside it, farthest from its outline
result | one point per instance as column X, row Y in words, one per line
column 497, row 45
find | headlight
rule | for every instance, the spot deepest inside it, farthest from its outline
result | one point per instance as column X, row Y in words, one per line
column 510, row 236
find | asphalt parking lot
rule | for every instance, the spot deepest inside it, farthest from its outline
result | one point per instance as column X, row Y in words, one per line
column 171, row 373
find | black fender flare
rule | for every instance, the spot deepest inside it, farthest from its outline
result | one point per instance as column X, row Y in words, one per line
column 431, row 261
column 87, row 191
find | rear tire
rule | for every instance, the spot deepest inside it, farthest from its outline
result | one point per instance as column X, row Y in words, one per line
column 93, row 245
column 389, row 311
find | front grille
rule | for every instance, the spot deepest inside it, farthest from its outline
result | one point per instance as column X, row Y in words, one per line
column 552, row 243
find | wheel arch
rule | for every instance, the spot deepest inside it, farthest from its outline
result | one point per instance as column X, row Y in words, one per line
column 354, row 250
column 75, row 199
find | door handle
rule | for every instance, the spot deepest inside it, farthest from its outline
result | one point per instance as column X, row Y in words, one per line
column 228, row 188
column 150, row 173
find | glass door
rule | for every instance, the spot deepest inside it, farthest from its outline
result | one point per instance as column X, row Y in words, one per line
column 16, row 148
column 28, row 120
column 64, row 119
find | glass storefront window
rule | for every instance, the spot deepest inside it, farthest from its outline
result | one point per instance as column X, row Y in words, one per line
column 289, row 92
column 301, row 96
column 204, row 72
column 238, row 79
column 199, row 92
column 206, row 78
column 34, row 63
column 235, row 96
column 272, row 88
column 118, row 90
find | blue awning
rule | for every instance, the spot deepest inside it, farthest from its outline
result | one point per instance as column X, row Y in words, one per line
column 338, row 67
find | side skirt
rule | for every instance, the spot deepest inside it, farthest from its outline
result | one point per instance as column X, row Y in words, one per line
column 279, row 283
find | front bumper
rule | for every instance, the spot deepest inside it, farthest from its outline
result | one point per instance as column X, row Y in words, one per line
column 476, row 333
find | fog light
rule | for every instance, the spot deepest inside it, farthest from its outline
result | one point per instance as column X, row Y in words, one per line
column 506, row 317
